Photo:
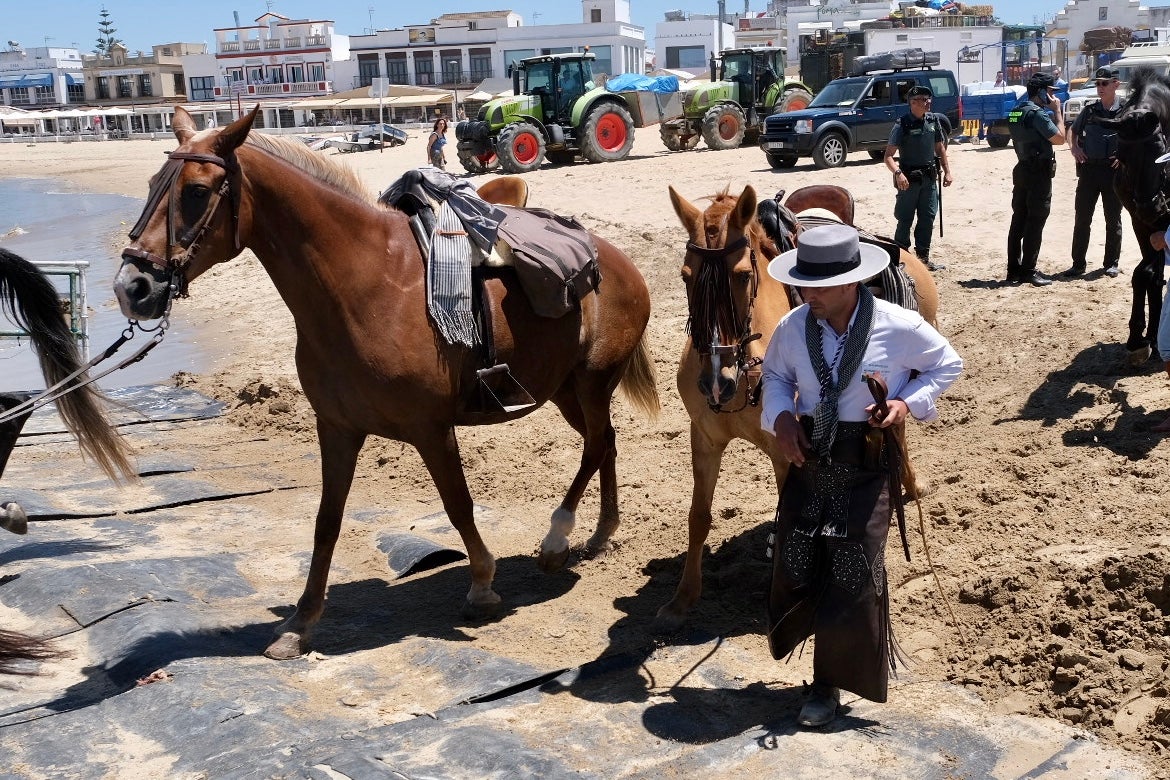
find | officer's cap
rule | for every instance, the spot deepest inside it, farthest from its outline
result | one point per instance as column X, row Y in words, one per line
column 1041, row 81
column 1105, row 74
column 919, row 91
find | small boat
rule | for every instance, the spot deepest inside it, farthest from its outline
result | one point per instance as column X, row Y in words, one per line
column 388, row 135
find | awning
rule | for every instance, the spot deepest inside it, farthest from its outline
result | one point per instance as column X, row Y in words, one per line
column 72, row 79
column 26, row 80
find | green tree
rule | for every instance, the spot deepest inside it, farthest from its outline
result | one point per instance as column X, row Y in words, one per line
column 106, row 39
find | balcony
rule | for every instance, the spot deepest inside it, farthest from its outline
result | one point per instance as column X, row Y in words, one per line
column 946, row 20
column 296, row 89
column 315, row 40
column 292, row 43
column 272, row 43
column 252, row 45
column 228, row 47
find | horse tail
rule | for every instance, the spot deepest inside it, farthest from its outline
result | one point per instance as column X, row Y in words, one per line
column 34, row 305
column 640, row 382
column 16, row 647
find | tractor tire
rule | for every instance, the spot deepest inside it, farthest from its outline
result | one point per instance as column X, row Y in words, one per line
column 792, row 100
column 724, row 126
column 560, row 156
column 998, row 141
column 520, row 147
column 779, row 160
column 477, row 163
column 877, row 154
column 830, row 151
column 607, row 134
column 675, row 141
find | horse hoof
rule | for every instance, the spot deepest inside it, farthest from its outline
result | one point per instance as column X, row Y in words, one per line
column 482, row 611
column 287, row 647
column 550, row 562
column 1138, row 356
column 668, row 621
column 13, row 518
column 597, row 548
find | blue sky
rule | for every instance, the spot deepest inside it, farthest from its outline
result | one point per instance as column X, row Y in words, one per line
column 143, row 23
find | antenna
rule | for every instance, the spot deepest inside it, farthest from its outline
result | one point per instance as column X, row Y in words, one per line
column 47, row 39
column 535, row 15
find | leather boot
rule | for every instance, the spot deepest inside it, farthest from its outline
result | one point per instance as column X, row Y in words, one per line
column 821, row 707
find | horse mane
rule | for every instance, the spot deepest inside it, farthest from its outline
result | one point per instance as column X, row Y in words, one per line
column 713, row 309
column 320, row 168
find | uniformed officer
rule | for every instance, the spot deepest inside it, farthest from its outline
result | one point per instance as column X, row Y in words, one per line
column 1034, row 134
column 1094, row 147
column 920, row 141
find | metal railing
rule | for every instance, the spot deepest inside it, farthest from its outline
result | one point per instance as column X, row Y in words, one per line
column 73, row 301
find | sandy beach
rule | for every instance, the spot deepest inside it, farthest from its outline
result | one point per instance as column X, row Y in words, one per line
column 1047, row 520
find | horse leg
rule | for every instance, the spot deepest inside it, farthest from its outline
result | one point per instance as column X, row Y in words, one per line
column 706, row 457
column 339, row 452
column 440, row 454
column 589, row 417
column 13, row 518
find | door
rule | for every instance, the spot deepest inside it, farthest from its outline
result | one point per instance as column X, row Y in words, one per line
column 876, row 113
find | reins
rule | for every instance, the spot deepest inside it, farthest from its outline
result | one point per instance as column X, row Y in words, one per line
column 714, row 310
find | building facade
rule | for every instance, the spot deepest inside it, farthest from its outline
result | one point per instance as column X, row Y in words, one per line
column 119, row 78
column 1079, row 17
column 40, row 77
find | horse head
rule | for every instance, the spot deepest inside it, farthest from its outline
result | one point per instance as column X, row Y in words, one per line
column 1142, row 128
column 191, row 220
column 722, row 276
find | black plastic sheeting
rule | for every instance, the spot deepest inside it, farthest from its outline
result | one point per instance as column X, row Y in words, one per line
column 407, row 554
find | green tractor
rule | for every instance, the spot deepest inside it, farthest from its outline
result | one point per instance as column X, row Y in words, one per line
column 556, row 113
column 747, row 85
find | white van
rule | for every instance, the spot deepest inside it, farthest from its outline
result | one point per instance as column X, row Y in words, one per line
column 1152, row 54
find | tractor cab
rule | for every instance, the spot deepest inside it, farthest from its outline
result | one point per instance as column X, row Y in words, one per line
column 558, row 80
column 754, row 72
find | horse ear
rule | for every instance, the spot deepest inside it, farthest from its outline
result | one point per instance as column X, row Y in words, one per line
column 745, row 207
column 234, row 134
column 183, row 125
column 688, row 214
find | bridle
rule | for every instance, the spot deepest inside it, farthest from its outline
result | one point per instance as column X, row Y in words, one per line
column 712, row 294
column 1153, row 202
column 166, row 183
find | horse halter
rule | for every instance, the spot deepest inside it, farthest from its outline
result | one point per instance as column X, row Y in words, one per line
column 166, row 184
column 717, row 304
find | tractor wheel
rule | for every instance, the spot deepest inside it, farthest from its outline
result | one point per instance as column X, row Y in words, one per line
column 607, row 134
column 723, row 127
column 998, row 141
column 792, row 100
column 675, row 141
column 778, row 160
column 830, row 151
column 520, row 147
column 477, row 163
column 561, row 156
column 877, row 154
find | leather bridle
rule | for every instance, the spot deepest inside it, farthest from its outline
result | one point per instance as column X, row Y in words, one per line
column 735, row 353
column 165, row 184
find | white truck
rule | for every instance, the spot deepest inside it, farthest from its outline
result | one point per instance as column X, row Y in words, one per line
column 1153, row 54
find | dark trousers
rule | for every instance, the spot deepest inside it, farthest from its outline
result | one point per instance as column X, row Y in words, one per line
column 1096, row 179
column 919, row 200
column 1031, row 203
column 1147, row 282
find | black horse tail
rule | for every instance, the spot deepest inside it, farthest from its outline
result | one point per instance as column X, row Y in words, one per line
column 16, row 647
column 32, row 302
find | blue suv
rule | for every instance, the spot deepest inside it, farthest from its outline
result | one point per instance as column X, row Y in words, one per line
column 854, row 114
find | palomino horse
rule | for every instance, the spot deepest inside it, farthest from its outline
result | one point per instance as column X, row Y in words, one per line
column 734, row 306
column 369, row 358
column 31, row 302
column 1143, row 127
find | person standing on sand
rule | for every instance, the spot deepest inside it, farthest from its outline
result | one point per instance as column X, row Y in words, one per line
column 436, row 153
column 834, row 509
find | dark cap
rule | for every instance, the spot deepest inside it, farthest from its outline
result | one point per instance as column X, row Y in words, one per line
column 1106, row 73
column 1041, row 81
column 919, row 91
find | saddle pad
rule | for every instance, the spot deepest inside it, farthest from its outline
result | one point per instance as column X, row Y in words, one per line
column 554, row 257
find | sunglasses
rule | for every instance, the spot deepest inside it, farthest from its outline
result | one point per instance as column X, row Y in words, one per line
column 921, row 97
column 1103, row 82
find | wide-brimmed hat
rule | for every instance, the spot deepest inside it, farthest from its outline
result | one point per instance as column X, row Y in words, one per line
column 826, row 256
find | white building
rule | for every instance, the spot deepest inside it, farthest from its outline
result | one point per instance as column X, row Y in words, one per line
column 1078, row 17
column 40, row 77
column 948, row 39
column 832, row 16
column 687, row 43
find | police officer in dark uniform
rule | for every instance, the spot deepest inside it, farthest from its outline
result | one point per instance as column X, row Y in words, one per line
column 920, row 140
column 1034, row 134
column 1094, row 147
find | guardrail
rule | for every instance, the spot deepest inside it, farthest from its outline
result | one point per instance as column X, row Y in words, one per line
column 73, row 301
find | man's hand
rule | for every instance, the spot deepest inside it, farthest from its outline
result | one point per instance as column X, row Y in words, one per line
column 896, row 412
column 1158, row 240
column 791, row 439
column 947, row 179
column 1079, row 154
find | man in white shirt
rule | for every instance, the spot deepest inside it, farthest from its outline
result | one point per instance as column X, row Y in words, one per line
column 828, row 577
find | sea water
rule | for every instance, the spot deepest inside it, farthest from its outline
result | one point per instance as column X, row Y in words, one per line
column 42, row 221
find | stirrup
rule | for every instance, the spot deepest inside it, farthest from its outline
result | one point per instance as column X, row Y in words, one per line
column 498, row 391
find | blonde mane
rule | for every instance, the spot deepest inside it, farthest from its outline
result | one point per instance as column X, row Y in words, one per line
column 321, row 168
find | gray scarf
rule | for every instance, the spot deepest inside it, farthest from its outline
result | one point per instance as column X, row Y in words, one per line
column 850, row 354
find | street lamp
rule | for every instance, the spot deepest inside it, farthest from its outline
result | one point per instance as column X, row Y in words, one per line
column 455, row 67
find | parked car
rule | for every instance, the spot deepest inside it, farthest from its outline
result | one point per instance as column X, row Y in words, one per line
column 854, row 114
column 1150, row 54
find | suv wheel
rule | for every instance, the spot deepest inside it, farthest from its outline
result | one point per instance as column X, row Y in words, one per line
column 830, row 151
column 723, row 127
column 778, row 160
column 877, row 154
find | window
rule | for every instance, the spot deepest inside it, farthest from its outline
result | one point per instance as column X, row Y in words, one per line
column 275, row 75
column 255, row 75
column 45, row 95
column 316, row 71
column 296, row 73
column 452, row 64
column 512, row 56
column 941, row 86
column 202, row 88
column 235, row 74
column 180, row 87
column 103, row 88
column 424, row 69
column 144, row 86
column 20, row 96
column 367, row 69
column 396, row 68
column 125, row 86
column 75, row 93
column 480, row 61
column 903, row 38
column 594, row 15
column 604, row 61
column 686, row 57
column 1102, row 13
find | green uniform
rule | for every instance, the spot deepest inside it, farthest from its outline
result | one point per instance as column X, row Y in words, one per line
column 915, row 140
column 1030, row 128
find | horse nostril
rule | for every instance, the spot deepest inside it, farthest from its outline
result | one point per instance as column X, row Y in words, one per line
column 137, row 290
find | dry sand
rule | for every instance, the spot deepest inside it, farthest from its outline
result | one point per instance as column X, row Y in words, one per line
column 1047, row 523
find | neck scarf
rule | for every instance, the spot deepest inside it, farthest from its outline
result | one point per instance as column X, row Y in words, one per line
column 850, row 354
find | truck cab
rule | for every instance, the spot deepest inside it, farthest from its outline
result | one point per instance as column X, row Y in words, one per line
column 1140, row 55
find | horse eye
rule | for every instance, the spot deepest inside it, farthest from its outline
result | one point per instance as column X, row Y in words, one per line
column 743, row 277
column 197, row 192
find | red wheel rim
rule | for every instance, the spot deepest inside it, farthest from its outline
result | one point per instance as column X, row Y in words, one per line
column 611, row 132
column 487, row 159
column 728, row 127
column 797, row 105
column 525, row 148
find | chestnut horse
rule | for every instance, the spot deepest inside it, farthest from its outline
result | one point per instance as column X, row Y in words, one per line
column 733, row 307
column 1143, row 127
column 370, row 360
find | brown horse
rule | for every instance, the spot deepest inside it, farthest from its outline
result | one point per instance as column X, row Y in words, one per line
column 733, row 306
column 370, row 360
